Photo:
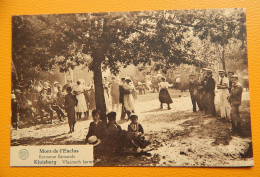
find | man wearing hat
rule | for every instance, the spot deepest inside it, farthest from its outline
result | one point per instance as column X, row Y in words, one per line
column 235, row 102
column 223, row 95
column 209, row 94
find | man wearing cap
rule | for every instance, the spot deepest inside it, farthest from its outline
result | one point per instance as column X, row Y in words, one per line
column 223, row 95
column 235, row 102
column 193, row 88
column 209, row 94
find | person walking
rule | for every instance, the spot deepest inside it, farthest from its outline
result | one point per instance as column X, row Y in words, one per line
column 164, row 96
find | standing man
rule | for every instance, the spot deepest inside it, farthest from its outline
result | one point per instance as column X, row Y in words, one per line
column 235, row 102
column 223, row 95
column 122, row 93
column 115, row 94
column 210, row 94
column 193, row 88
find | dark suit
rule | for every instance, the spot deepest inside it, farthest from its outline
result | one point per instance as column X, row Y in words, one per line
column 210, row 96
column 195, row 95
column 235, row 102
column 97, row 129
column 122, row 92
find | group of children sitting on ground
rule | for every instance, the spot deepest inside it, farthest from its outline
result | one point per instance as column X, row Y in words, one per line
column 111, row 139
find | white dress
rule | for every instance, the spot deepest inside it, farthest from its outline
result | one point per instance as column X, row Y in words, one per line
column 82, row 106
column 128, row 98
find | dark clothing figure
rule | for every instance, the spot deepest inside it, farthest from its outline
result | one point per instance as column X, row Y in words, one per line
column 55, row 107
column 210, row 97
column 122, row 92
column 235, row 102
column 14, row 119
column 70, row 104
column 135, row 133
column 229, row 85
column 164, row 96
column 97, row 129
column 115, row 139
column 195, row 95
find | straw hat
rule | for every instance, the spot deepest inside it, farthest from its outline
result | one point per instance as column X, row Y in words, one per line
column 93, row 140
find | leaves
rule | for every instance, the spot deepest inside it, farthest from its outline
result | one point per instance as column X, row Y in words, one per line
column 119, row 39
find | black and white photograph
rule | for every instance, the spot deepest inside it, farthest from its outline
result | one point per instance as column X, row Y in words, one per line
column 143, row 88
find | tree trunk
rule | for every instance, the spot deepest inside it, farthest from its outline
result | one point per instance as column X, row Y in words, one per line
column 98, row 57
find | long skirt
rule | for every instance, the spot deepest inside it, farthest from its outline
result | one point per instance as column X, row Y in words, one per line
column 164, row 96
column 82, row 106
column 129, row 102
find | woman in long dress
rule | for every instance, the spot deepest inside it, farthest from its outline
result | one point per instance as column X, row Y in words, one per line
column 128, row 98
column 164, row 95
column 81, row 106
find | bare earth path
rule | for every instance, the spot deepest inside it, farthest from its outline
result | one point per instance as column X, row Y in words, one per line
column 179, row 136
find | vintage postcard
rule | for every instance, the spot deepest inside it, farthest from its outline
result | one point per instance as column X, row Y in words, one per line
column 147, row 88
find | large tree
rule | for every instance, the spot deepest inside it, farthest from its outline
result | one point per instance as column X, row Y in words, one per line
column 108, row 40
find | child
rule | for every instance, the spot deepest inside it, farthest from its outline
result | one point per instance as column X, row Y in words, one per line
column 97, row 127
column 135, row 132
column 70, row 104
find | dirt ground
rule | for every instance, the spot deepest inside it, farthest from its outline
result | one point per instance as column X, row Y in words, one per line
column 178, row 136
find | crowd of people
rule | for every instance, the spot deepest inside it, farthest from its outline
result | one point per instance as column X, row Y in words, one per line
column 41, row 99
column 74, row 100
column 202, row 92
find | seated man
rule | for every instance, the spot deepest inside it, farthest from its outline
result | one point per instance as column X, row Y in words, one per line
column 44, row 103
column 135, row 133
column 97, row 127
column 116, row 139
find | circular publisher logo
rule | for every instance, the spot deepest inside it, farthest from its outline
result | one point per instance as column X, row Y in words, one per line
column 23, row 154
